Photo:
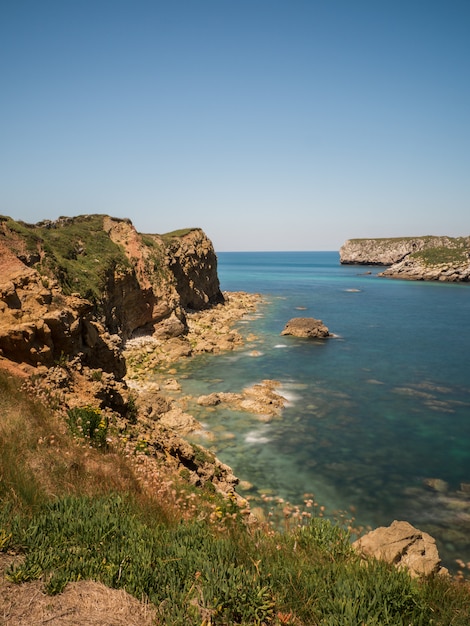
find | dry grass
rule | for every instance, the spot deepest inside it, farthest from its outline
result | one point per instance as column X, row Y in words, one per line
column 84, row 602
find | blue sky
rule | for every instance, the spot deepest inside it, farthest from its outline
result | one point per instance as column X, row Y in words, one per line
column 271, row 124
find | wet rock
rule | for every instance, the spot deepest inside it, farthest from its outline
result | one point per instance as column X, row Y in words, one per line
column 308, row 327
column 260, row 399
column 172, row 385
column 212, row 399
column 437, row 484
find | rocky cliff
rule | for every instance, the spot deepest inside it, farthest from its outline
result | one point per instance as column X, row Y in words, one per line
column 83, row 285
column 414, row 258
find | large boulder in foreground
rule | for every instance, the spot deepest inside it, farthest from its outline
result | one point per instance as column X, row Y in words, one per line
column 307, row 327
column 404, row 546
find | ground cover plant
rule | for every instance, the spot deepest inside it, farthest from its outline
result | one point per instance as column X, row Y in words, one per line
column 185, row 549
column 437, row 256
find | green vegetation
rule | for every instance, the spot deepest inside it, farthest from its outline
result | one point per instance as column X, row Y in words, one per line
column 27, row 233
column 159, row 264
column 88, row 423
column 441, row 256
column 79, row 253
column 438, row 249
column 174, row 234
column 70, row 512
column 81, row 256
column 392, row 240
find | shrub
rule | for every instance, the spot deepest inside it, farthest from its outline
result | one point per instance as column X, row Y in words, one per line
column 88, row 422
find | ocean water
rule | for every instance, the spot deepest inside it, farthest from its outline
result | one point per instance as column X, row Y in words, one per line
column 378, row 420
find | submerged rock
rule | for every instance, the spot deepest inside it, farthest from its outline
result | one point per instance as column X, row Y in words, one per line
column 306, row 327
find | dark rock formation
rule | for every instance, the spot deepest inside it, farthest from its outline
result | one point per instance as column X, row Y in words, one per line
column 306, row 327
column 404, row 546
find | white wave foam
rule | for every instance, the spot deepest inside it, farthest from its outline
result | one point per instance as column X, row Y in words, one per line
column 256, row 436
column 290, row 396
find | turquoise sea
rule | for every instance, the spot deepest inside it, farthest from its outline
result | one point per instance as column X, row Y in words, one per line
column 379, row 415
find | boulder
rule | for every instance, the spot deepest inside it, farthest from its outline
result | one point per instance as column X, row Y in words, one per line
column 306, row 327
column 404, row 546
column 170, row 327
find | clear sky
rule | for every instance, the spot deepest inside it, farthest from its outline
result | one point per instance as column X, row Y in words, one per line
column 271, row 124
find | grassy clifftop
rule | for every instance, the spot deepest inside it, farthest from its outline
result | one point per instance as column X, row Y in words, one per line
column 73, row 508
column 79, row 252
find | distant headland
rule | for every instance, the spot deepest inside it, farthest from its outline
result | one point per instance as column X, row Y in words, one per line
column 445, row 259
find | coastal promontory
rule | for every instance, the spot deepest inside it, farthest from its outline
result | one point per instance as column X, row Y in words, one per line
column 445, row 259
column 84, row 285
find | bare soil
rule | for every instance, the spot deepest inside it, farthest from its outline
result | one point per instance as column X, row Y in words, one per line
column 84, row 602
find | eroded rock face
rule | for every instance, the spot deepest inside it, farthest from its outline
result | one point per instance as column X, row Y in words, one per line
column 404, row 546
column 307, row 327
column 39, row 325
column 139, row 283
column 380, row 251
column 193, row 262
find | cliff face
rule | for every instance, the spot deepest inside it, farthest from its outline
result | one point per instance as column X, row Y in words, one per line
column 390, row 251
column 413, row 258
column 80, row 286
column 193, row 263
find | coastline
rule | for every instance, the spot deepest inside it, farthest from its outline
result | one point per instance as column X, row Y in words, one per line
column 152, row 374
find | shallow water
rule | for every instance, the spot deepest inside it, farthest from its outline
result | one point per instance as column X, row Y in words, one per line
column 379, row 415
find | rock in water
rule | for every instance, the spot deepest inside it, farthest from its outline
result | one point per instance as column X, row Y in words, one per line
column 404, row 546
column 306, row 327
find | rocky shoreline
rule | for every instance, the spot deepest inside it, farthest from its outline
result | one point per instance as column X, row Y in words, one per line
column 153, row 376
column 140, row 305
column 158, row 433
column 89, row 306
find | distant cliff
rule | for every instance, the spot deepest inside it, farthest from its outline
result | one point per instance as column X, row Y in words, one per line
column 414, row 258
column 83, row 285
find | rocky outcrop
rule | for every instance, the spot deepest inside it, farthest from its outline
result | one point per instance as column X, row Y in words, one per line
column 419, row 267
column 307, row 327
column 413, row 258
column 82, row 286
column 404, row 546
column 39, row 325
column 260, row 399
column 193, row 263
